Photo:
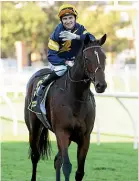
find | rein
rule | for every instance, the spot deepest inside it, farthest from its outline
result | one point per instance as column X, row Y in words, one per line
column 76, row 81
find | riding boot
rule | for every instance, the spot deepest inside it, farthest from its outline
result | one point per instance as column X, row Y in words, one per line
column 37, row 98
column 51, row 77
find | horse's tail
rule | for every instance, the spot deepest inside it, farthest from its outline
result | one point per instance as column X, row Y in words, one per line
column 44, row 145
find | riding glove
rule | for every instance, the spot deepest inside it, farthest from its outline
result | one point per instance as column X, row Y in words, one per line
column 66, row 35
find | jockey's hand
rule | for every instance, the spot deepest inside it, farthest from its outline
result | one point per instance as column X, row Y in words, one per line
column 66, row 35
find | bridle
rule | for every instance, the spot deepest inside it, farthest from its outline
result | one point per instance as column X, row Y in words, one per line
column 85, row 67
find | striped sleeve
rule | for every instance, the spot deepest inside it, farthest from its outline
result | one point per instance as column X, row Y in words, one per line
column 53, row 49
column 84, row 33
column 53, row 45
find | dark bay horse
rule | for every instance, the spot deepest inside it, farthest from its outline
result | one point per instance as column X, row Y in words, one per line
column 70, row 109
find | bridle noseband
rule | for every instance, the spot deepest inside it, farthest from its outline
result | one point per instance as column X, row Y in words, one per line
column 86, row 71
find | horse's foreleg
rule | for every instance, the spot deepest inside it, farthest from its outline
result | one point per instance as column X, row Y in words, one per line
column 67, row 166
column 63, row 142
column 81, row 156
column 57, row 165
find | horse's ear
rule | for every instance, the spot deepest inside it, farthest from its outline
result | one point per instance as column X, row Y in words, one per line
column 87, row 39
column 102, row 40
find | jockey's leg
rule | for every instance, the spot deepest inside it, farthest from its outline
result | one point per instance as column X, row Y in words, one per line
column 51, row 77
column 57, row 72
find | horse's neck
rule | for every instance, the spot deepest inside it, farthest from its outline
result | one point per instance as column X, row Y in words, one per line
column 80, row 90
column 77, row 70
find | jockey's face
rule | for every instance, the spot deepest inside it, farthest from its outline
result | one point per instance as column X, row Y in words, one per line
column 68, row 21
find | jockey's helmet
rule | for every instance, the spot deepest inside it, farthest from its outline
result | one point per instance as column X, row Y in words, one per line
column 67, row 9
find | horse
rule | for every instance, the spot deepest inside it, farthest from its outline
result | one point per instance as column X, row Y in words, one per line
column 70, row 109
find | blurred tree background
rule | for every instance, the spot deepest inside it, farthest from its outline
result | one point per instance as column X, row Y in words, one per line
column 33, row 22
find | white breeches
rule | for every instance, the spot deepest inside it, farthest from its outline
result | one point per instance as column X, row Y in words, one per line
column 61, row 69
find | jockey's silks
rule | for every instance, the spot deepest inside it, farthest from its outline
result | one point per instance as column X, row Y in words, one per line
column 59, row 51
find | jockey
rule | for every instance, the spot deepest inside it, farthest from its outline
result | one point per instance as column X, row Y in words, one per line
column 64, row 43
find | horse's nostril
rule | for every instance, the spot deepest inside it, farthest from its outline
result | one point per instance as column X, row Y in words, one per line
column 98, row 86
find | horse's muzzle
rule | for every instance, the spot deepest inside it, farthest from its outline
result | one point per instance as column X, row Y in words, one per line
column 100, row 87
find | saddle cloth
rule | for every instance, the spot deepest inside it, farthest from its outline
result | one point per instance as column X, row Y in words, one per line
column 40, row 110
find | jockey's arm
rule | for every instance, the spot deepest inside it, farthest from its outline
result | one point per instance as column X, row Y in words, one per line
column 66, row 35
column 84, row 33
column 83, row 36
column 53, row 58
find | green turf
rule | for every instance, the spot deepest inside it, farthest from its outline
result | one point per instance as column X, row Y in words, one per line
column 107, row 162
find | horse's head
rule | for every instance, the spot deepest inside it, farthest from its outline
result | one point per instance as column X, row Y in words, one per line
column 95, row 60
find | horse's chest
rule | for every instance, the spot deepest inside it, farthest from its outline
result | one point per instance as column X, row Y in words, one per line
column 78, row 131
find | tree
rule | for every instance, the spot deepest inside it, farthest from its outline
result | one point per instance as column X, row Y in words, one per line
column 25, row 21
column 99, row 22
column 33, row 24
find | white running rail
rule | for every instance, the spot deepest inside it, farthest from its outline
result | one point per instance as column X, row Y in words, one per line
column 117, row 96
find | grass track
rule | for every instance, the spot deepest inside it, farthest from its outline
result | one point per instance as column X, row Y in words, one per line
column 107, row 162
